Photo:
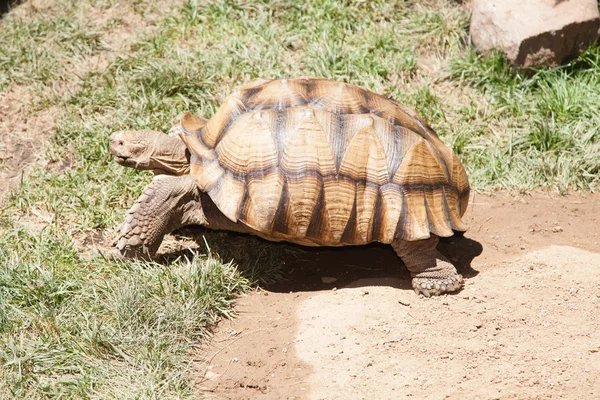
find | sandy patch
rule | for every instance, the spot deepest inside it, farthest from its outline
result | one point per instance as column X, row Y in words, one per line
column 526, row 325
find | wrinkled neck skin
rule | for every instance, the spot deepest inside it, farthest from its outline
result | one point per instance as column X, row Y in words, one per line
column 168, row 155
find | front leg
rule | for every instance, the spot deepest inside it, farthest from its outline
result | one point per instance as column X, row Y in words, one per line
column 168, row 203
column 432, row 273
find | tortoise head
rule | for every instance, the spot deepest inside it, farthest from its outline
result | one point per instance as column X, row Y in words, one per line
column 150, row 150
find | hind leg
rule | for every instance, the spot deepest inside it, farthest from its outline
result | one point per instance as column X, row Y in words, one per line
column 432, row 273
column 168, row 203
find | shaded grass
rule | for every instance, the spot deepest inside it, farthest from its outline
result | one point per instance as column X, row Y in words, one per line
column 75, row 325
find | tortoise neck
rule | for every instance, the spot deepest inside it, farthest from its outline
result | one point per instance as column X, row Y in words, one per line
column 170, row 155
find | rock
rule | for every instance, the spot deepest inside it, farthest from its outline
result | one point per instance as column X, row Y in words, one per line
column 534, row 32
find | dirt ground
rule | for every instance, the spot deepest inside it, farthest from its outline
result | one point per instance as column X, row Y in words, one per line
column 347, row 325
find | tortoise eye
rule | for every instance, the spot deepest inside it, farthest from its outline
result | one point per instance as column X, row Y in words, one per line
column 121, row 143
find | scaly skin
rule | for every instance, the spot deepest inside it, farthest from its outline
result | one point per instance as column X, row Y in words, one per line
column 168, row 203
column 432, row 273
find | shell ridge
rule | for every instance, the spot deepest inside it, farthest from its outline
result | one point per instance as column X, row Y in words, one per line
column 447, row 210
column 339, row 199
column 378, row 216
column 400, row 225
column 318, row 224
column 280, row 134
column 263, row 196
column 350, row 232
column 280, row 221
column 391, row 200
column 303, row 201
column 366, row 199
column 340, row 145
column 440, row 159
column 436, row 213
column 220, row 122
column 428, row 222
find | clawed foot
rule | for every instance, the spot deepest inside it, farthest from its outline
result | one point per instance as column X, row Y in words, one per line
column 436, row 286
column 125, row 249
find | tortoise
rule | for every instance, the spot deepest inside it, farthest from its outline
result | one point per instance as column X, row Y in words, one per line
column 309, row 161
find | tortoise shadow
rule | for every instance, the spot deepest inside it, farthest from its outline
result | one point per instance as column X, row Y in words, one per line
column 292, row 268
column 6, row 6
column 372, row 265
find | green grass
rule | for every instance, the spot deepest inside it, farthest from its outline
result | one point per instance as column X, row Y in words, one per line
column 75, row 325
column 544, row 124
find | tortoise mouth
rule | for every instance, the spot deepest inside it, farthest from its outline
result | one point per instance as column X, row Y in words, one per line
column 123, row 160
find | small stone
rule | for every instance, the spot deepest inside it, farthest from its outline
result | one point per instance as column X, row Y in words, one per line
column 211, row 375
column 522, row 247
column 328, row 279
column 557, row 229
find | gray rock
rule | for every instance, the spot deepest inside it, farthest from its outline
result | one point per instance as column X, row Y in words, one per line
column 534, row 32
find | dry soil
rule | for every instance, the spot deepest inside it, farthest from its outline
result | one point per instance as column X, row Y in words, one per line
column 346, row 325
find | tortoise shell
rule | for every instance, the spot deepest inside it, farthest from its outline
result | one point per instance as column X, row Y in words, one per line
column 318, row 162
